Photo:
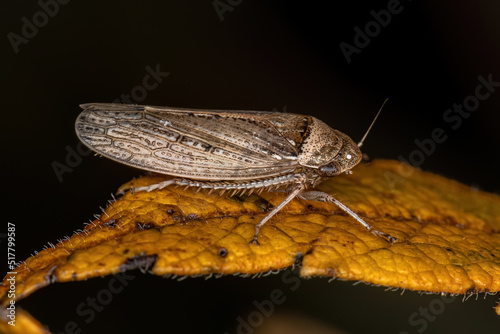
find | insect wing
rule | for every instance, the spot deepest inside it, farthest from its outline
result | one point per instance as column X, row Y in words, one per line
column 198, row 144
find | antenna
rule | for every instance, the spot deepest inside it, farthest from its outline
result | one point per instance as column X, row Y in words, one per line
column 373, row 122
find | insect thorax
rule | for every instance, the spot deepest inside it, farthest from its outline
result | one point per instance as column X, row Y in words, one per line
column 327, row 147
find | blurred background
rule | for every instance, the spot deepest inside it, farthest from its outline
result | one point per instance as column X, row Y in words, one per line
column 336, row 61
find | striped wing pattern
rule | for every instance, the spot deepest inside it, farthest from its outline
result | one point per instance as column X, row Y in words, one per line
column 208, row 145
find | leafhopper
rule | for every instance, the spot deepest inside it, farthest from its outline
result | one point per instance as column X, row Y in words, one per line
column 217, row 150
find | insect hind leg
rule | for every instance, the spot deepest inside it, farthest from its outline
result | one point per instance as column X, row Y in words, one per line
column 320, row 196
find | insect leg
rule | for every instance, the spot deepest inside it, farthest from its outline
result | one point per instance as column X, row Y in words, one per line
column 273, row 212
column 151, row 187
column 159, row 185
column 324, row 197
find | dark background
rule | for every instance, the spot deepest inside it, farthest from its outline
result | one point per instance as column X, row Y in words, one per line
column 263, row 55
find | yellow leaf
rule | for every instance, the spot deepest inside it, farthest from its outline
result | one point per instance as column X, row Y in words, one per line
column 23, row 323
column 448, row 235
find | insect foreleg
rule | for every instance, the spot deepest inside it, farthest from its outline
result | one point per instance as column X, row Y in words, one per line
column 273, row 212
column 324, row 197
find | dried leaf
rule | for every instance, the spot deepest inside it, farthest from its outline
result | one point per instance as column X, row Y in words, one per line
column 448, row 235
